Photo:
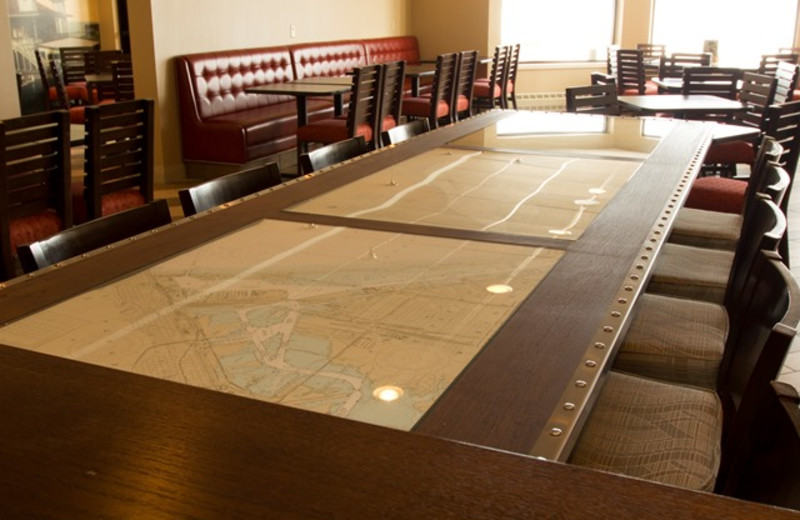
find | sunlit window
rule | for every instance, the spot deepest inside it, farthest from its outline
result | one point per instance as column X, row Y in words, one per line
column 743, row 30
column 558, row 30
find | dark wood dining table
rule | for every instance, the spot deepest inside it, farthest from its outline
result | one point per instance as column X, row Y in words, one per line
column 415, row 73
column 374, row 256
column 303, row 89
column 679, row 104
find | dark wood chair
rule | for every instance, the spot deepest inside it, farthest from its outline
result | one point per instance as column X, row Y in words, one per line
column 73, row 63
column 436, row 107
column 361, row 118
column 76, row 111
column 715, row 81
column 228, row 188
column 461, row 105
column 334, row 153
column 593, row 99
column 122, row 74
column 405, row 131
column 601, row 78
column 119, row 158
column 392, row 91
column 673, row 66
column 652, row 53
column 35, row 197
column 631, row 77
column 488, row 92
column 509, row 84
column 762, row 460
column 93, row 235
column 78, row 93
column 99, row 62
column 786, row 75
column 769, row 62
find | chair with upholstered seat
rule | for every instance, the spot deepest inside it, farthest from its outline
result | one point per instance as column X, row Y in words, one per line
column 122, row 75
column 361, row 119
column 34, row 182
column 119, row 159
column 76, row 111
column 73, row 63
column 786, row 75
column 601, row 78
column 715, row 81
column 673, row 433
column 405, row 131
column 509, row 90
column 762, row 460
column 51, row 95
column 461, row 105
column 631, row 77
column 93, row 235
column 758, row 92
column 333, row 153
column 228, row 188
column 681, row 340
column 488, row 91
column 769, row 62
column 592, row 99
column 436, row 107
column 391, row 100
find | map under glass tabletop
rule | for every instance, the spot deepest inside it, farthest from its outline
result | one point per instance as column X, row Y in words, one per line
column 368, row 325
column 506, row 178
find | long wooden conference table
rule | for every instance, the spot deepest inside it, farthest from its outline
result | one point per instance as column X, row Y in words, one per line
column 419, row 332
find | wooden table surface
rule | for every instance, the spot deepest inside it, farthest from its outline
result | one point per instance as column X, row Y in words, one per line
column 106, row 442
column 679, row 103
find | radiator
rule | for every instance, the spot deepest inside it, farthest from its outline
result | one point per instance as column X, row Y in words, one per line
column 552, row 101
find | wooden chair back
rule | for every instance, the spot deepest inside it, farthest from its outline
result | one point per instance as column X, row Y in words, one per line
column 786, row 81
column 44, row 78
column 119, row 151
column 593, row 99
column 99, row 62
column 461, row 103
column 782, row 122
column 93, row 235
column 122, row 73
column 769, row 62
column 444, row 81
column 405, row 131
column 228, row 188
column 495, row 80
column 651, row 50
column 758, row 92
column 391, row 105
column 600, row 78
column 61, row 88
column 630, row 71
column 73, row 63
column 34, row 177
column 509, row 90
column 331, row 154
column 673, row 66
column 715, row 81
column 766, row 323
column 365, row 98
column 762, row 462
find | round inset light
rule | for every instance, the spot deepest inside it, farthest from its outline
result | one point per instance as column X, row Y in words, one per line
column 388, row 393
column 499, row 289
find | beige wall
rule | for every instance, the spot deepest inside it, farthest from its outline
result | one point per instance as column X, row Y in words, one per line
column 162, row 29
column 9, row 101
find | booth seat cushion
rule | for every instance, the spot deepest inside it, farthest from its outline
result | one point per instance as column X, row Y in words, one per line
column 24, row 230
column 717, row 194
column 392, row 48
column 336, row 58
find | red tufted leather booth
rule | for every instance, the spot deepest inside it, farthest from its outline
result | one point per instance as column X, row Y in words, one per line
column 221, row 123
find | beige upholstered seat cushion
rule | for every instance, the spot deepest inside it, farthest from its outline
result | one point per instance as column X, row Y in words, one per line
column 654, row 431
column 703, row 228
column 675, row 340
column 691, row 272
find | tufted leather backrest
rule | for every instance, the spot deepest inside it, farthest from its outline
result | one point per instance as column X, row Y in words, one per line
column 327, row 58
column 213, row 83
column 392, row 48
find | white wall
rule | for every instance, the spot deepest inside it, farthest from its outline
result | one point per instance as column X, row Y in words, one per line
column 163, row 29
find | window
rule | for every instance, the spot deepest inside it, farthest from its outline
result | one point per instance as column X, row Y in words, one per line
column 743, row 30
column 558, row 30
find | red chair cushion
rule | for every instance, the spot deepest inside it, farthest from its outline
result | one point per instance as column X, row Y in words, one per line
column 121, row 200
column 421, row 107
column 481, row 89
column 77, row 115
column 25, row 230
column 462, row 103
column 388, row 123
column 734, row 152
column 717, row 194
